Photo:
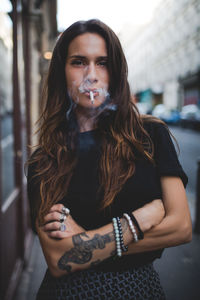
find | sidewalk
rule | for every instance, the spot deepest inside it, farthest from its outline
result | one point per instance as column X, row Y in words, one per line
column 32, row 275
column 179, row 270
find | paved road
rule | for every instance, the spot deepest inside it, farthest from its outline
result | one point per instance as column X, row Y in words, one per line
column 179, row 271
column 179, row 267
column 189, row 143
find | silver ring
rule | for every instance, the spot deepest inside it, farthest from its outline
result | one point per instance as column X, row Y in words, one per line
column 63, row 227
column 65, row 211
column 62, row 217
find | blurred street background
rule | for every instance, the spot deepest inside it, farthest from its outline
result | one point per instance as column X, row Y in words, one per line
column 161, row 41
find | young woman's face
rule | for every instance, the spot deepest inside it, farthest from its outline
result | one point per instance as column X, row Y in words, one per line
column 86, row 70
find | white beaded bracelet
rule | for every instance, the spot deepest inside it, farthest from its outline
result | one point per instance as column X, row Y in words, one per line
column 117, row 238
column 131, row 226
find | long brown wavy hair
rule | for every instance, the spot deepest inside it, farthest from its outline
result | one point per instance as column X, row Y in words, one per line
column 122, row 129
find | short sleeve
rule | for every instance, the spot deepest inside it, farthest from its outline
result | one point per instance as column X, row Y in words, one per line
column 166, row 158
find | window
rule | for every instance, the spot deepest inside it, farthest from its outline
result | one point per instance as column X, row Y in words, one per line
column 6, row 102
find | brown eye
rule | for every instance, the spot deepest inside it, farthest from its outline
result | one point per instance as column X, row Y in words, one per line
column 103, row 63
column 77, row 62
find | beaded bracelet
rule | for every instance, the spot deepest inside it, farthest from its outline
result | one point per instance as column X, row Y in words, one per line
column 123, row 247
column 131, row 226
column 135, row 222
column 117, row 238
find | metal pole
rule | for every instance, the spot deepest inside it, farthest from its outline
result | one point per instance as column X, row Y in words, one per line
column 197, row 212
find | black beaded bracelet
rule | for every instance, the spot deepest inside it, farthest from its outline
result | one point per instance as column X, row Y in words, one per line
column 123, row 247
column 135, row 222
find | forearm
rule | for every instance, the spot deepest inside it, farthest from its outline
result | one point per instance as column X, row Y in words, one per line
column 86, row 248
column 172, row 231
column 82, row 250
column 176, row 227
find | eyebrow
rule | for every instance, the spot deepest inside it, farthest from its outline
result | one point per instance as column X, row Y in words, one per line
column 83, row 57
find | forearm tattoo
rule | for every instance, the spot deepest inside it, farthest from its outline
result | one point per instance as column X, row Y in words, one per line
column 83, row 247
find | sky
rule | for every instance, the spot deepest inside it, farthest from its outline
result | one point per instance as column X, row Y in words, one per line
column 115, row 13
column 6, row 23
column 5, row 6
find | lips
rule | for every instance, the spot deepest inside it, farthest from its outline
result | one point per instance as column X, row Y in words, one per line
column 95, row 93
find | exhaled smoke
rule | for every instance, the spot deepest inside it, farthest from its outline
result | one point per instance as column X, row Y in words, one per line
column 86, row 86
column 71, row 108
column 105, row 103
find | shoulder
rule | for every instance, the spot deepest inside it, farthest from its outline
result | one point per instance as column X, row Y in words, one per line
column 163, row 140
column 165, row 154
column 153, row 125
column 32, row 163
column 33, row 187
column 156, row 129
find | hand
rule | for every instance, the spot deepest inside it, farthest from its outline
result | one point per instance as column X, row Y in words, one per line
column 52, row 224
column 150, row 214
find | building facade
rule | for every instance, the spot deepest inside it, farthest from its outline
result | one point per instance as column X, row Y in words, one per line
column 28, row 29
column 164, row 55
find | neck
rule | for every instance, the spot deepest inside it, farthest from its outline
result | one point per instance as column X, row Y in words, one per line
column 86, row 121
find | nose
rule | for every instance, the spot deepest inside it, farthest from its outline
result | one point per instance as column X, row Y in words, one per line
column 91, row 73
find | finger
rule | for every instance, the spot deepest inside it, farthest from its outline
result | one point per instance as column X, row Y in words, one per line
column 59, row 234
column 56, row 207
column 53, row 216
column 51, row 226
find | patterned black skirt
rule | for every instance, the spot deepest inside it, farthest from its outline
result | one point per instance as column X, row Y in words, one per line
column 140, row 283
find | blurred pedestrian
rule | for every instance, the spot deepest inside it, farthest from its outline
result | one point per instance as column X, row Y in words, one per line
column 105, row 185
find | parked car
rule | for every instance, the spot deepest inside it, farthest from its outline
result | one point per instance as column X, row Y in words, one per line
column 169, row 116
column 190, row 116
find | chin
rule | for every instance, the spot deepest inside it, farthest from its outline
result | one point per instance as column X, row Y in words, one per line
column 89, row 104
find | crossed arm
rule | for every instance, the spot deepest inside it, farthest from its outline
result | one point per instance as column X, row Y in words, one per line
column 76, row 249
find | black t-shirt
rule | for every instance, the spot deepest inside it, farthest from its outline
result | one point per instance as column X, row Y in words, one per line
column 143, row 187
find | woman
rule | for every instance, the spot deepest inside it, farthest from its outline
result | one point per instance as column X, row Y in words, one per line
column 105, row 186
